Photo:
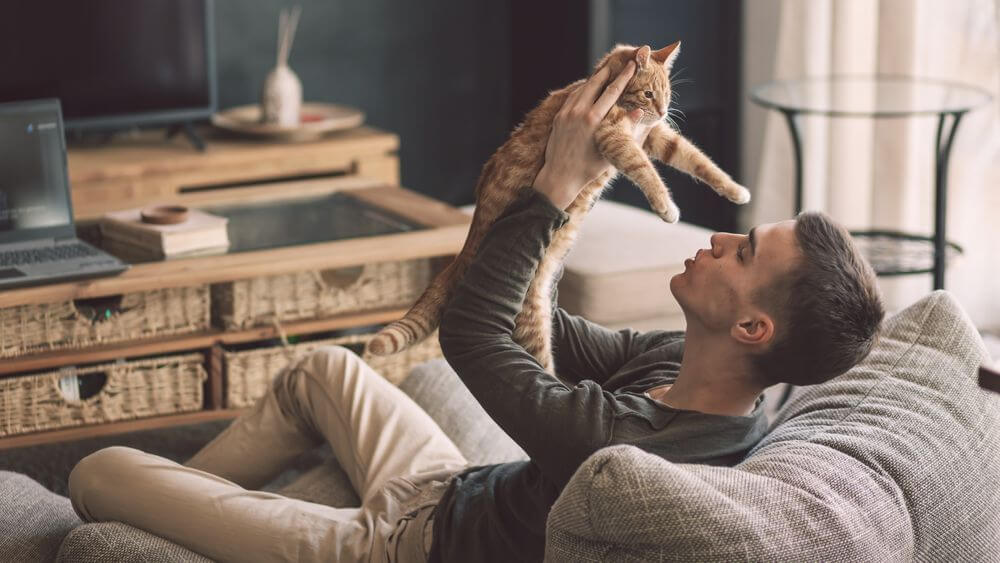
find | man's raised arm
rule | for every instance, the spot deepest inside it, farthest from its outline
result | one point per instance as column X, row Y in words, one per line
column 558, row 426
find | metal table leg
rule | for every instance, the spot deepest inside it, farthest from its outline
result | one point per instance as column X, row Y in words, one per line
column 797, row 148
column 941, row 154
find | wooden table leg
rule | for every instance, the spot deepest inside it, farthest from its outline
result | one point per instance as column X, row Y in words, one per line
column 215, row 367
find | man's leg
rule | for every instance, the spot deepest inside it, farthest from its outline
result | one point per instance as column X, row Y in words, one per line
column 375, row 430
column 213, row 516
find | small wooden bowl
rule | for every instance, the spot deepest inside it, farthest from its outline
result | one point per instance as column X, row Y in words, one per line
column 164, row 214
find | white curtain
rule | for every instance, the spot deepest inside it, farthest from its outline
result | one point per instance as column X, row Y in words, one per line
column 879, row 173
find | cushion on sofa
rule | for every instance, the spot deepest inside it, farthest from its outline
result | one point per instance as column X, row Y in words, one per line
column 438, row 390
column 33, row 520
column 899, row 459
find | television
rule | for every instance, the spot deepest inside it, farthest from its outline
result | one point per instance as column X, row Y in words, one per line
column 113, row 64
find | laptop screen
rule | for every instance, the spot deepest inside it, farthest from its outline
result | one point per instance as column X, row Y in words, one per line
column 33, row 183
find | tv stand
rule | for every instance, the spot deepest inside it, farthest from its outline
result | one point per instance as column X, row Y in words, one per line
column 189, row 132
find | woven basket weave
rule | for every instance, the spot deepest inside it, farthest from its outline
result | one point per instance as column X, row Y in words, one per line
column 249, row 372
column 26, row 329
column 318, row 293
column 133, row 389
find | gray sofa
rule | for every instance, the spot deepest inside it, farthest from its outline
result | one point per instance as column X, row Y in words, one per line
column 897, row 460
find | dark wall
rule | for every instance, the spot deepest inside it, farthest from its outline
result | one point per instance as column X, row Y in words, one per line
column 549, row 43
column 437, row 72
column 705, row 78
column 452, row 77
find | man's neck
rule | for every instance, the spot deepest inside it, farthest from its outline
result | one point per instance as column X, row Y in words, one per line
column 712, row 379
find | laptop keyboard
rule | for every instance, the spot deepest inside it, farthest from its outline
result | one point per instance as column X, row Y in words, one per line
column 47, row 254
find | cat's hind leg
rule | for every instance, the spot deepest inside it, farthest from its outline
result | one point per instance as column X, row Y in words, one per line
column 533, row 325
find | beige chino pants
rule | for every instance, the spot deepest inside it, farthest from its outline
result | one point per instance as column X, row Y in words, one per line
column 397, row 458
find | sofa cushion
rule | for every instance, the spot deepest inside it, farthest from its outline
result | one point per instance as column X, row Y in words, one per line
column 898, row 459
column 437, row 389
column 33, row 520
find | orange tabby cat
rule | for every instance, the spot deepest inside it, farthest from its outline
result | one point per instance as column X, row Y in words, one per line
column 518, row 161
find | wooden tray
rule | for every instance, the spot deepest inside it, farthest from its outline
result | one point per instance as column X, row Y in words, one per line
column 315, row 119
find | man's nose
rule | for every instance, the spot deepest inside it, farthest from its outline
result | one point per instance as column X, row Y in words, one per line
column 719, row 243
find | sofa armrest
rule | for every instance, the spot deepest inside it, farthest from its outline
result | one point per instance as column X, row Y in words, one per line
column 626, row 504
column 114, row 541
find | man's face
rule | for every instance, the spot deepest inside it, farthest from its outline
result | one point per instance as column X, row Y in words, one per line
column 719, row 285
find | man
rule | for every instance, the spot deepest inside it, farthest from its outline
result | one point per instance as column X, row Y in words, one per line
column 791, row 302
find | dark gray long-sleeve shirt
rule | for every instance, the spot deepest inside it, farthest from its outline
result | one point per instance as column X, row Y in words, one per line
column 498, row 512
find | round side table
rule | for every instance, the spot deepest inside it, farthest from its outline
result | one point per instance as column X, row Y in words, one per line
column 889, row 252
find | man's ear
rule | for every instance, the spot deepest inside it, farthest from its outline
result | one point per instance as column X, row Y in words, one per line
column 756, row 329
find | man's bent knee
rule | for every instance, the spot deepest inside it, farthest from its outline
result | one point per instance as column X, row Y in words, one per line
column 99, row 474
column 331, row 365
column 328, row 358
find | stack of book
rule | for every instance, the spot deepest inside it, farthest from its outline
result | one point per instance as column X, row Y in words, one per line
column 124, row 234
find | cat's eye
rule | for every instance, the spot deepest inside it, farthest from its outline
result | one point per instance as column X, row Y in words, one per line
column 648, row 94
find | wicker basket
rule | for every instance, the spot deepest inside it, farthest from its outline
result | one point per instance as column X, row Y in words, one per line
column 132, row 389
column 26, row 329
column 313, row 294
column 249, row 372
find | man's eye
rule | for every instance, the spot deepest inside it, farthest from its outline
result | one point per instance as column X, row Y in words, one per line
column 648, row 94
column 739, row 253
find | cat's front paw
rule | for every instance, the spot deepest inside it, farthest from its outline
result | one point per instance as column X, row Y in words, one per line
column 669, row 213
column 737, row 193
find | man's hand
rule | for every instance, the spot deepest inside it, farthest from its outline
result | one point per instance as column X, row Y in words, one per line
column 571, row 157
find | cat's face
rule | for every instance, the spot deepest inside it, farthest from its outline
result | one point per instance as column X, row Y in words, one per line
column 649, row 88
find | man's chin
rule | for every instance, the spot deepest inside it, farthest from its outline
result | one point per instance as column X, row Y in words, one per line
column 677, row 285
column 677, row 281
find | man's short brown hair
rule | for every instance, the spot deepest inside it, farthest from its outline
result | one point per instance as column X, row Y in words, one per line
column 828, row 310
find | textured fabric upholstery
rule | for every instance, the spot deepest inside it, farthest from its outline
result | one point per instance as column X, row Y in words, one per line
column 897, row 460
column 114, row 541
column 33, row 520
column 438, row 390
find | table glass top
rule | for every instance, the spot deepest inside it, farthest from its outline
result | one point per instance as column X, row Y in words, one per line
column 869, row 96
column 336, row 216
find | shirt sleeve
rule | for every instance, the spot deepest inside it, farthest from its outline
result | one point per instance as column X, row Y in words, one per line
column 558, row 426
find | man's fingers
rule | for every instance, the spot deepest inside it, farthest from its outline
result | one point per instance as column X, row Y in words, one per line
column 614, row 90
column 587, row 93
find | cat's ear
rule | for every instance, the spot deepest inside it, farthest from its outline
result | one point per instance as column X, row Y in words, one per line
column 666, row 55
column 642, row 56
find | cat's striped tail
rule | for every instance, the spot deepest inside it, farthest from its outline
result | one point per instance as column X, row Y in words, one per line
column 422, row 319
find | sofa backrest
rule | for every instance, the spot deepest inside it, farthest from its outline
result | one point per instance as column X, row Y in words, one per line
column 898, row 459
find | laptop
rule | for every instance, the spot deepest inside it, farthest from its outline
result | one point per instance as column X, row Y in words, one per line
column 38, row 241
